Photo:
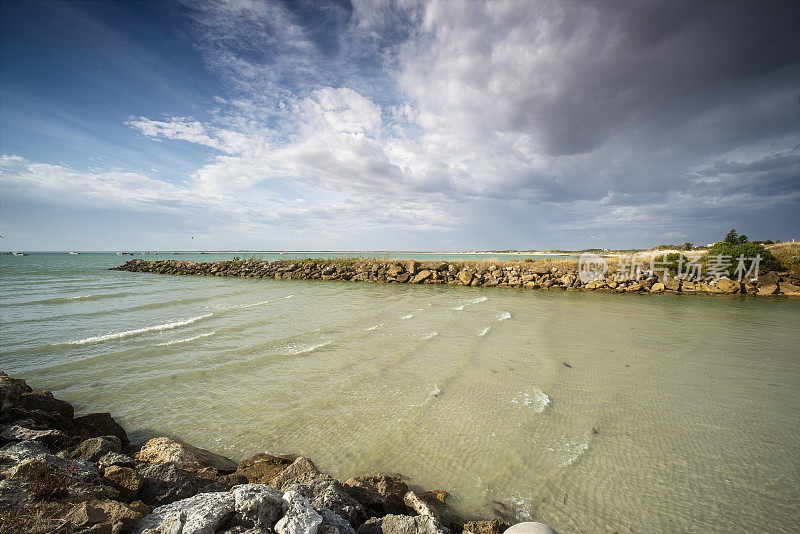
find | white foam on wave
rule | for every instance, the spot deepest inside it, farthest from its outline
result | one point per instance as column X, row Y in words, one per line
column 569, row 449
column 429, row 336
column 128, row 333
column 504, row 316
column 309, row 348
column 288, row 296
column 538, row 400
column 484, row 331
column 476, row 300
column 186, row 340
column 435, row 391
column 379, row 325
column 256, row 304
column 409, row 316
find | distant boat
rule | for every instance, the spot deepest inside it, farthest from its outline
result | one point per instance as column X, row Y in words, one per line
column 124, row 253
column 19, row 253
column 74, row 253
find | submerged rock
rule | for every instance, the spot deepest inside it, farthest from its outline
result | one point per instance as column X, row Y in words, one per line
column 201, row 514
column 379, row 494
column 495, row 526
column 263, row 468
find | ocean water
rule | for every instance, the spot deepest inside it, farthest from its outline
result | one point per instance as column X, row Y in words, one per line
column 672, row 414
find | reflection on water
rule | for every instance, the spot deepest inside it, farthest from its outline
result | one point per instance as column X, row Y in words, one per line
column 590, row 412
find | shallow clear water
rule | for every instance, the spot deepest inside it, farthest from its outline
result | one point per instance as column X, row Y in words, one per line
column 696, row 400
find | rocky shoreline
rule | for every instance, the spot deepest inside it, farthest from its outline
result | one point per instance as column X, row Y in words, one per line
column 65, row 474
column 542, row 274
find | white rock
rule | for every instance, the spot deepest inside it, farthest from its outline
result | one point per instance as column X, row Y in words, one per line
column 300, row 517
column 202, row 514
column 258, row 503
column 422, row 508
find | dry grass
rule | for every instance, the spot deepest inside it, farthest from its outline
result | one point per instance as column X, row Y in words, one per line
column 48, row 483
column 788, row 256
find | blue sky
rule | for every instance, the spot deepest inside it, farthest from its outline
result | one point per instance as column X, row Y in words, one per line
column 396, row 125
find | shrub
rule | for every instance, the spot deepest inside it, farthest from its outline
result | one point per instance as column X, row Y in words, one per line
column 748, row 250
column 48, row 483
column 528, row 260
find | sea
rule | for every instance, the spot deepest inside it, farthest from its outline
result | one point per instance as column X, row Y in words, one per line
column 590, row 412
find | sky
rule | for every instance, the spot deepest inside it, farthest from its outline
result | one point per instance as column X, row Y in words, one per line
column 308, row 125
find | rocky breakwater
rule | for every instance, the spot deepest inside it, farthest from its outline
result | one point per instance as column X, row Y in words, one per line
column 81, row 475
column 544, row 274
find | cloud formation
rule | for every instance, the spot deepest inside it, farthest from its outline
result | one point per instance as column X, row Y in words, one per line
column 488, row 125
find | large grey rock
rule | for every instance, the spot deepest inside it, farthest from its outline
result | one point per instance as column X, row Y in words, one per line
column 333, row 520
column 24, row 450
column 326, row 492
column 93, row 449
column 11, row 389
column 403, row 524
column 300, row 517
column 257, row 505
column 167, row 483
column 379, row 494
column 530, row 527
column 115, row 458
column 202, row 514
column 53, row 439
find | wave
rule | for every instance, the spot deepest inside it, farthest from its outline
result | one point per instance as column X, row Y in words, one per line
column 128, row 333
column 379, row 325
column 310, row 348
column 476, row 300
column 62, row 300
column 409, row 316
column 186, row 340
column 256, row 304
column 504, row 316
column 429, row 336
column 570, row 449
column 484, row 331
column 538, row 400
column 288, row 296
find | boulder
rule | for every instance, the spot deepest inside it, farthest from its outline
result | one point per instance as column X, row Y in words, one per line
column 95, row 425
column 411, row 266
column 671, row 283
column 726, row 285
column 465, row 276
column 658, row 287
column 300, row 471
column 262, row 468
column 379, row 494
column 166, row 483
column 789, row 289
column 300, row 517
column 434, row 496
column 530, row 527
column 201, row 514
column 168, row 450
column 403, row 524
column 769, row 289
column 44, row 401
column 113, row 515
column 326, row 492
column 335, row 522
column 11, row 389
column 767, row 279
column 417, row 505
column 115, row 458
column 495, row 526
column 93, row 449
column 126, row 480
column 73, row 470
column 421, row 276
column 53, row 439
column 24, row 450
column 257, row 505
